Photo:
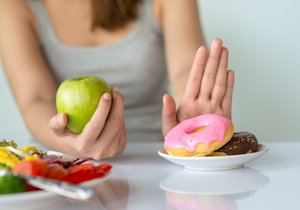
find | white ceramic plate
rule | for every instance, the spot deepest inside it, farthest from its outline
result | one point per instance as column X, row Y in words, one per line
column 40, row 198
column 214, row 162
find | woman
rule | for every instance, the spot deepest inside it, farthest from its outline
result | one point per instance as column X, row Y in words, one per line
column 136, row 46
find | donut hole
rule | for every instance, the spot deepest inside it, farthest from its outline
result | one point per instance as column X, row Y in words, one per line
column 198, row 129
column 192, row 131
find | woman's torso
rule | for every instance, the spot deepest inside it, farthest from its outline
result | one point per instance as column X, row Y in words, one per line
column 135, row 63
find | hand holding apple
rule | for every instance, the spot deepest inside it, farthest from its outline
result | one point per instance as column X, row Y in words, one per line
column 78, row 98
column 103, row 136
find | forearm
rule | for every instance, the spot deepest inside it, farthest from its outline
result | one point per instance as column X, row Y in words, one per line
column 36, row 115
column 182, row 37
column 180, row 63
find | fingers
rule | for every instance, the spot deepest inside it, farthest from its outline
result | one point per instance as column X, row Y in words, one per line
column 169, row 118
column 211, row 68
column 112, row 135
column 58, row 123
column 113, row 147
column 219, row 87
column 116, row 115
column 93, row 128
column 195, row 77
column 122, row 140
column 104, row 135
column 227, row 100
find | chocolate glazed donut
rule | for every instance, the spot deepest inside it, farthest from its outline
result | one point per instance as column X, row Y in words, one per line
column 240, row 143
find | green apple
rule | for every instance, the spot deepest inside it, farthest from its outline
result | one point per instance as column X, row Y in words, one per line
column 78, row 98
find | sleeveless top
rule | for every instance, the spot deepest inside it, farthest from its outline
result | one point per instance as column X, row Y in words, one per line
column 135, row 64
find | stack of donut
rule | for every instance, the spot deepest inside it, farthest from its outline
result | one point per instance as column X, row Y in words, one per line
column 208, row 135
column 240, row 143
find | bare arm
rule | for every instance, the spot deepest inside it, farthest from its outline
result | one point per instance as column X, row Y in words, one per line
column 200, row 79
column 30, row 80
column 34, row 88
column 182, row 36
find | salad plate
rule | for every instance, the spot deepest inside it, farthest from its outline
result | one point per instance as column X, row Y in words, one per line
column 214, row 162
column 41, row 198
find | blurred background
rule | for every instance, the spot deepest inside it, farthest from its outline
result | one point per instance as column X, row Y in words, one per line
column 263, row 38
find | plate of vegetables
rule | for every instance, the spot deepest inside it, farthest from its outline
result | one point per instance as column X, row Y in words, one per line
column 16, row 192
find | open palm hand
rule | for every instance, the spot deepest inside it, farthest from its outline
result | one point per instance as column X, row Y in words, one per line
column 209, row 88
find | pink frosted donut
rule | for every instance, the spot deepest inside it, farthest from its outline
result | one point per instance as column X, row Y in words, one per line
column 199, row 136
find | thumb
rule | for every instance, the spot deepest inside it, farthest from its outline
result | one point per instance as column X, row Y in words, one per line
column 58, row 123
column 169, row 118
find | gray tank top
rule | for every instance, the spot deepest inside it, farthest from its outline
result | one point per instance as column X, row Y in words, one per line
column 136, row 64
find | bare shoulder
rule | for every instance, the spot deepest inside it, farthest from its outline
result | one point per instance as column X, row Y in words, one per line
column 15, row 12
column 13, row 8
column 170, row 4
column 170, row 8
column 16, row 19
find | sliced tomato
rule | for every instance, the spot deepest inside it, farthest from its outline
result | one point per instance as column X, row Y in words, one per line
column 35, row 167
column 87, row 173
column 81, row 167
column 81, row 176
column 56, row 171
column 105, row 167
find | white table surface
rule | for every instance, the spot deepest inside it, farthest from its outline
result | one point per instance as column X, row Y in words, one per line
column 141, row 179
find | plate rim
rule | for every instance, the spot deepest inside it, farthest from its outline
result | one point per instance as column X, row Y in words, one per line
column 262, row 149
column 42, row 194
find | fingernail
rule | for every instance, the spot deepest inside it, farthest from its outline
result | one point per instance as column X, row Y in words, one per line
column 216, row 42
column 116, row 90
column 106, row 96
column 59, row 119
column 201, row 49
column 201, row 52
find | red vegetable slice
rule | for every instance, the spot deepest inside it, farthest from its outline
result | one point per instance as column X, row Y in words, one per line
column 82, row 167
column 35, row 167
column 103, row 167
column 56, row 171
column 75, row 174
column 87, row 173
